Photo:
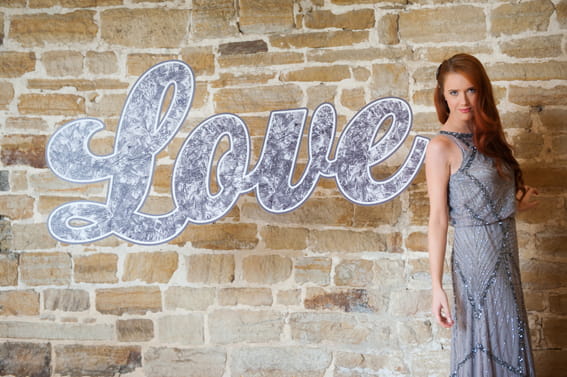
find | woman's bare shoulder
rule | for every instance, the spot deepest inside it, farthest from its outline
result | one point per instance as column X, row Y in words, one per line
column 441, row 145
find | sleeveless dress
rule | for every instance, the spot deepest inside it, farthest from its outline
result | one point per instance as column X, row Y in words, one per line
column 490, row 337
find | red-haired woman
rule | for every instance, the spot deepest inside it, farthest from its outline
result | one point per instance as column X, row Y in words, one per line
column 475, row 184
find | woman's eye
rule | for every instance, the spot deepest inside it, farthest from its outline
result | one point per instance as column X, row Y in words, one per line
column 452, row 92
column 472, row 90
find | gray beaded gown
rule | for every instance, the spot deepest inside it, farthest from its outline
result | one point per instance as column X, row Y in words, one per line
column 490, row 337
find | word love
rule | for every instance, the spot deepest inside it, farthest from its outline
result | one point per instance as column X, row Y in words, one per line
column 144, row 130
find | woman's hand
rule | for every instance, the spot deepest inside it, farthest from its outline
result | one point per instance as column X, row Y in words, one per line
column 525, row 201
column 440, row 308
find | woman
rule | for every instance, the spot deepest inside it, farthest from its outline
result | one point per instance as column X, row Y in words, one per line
column 475, row 184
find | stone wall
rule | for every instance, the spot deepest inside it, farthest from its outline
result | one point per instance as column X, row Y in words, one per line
column 331, row 289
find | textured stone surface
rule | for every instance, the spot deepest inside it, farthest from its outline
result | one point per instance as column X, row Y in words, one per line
column 266, row 268
column 98, row 268
column 19, row 303
column 93, row 360
column 25, row 359
column 135, row 330
column 150, row 267
column 265, row 16
column 152, row 27
column 280, row 362
column 245, row 296
column 43, row 29
column 45, row 268
column 69, row 300
column 184, row 362
column 245, row 326
column 132, row 300
column 182, row 329
column 23, row 150
column 210, row 268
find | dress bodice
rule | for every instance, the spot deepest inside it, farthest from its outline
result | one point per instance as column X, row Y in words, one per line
column 478, row 194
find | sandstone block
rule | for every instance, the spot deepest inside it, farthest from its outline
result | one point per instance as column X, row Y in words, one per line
column 319, row 74
column 552, row 119
column 106, row 105
column 388, row 29
column 56, row 331
column 280, row 361
column 210, row 268
column 201, row 60
column 521, row 17
column 63, row 63
column 410, row 303
column 73, row 3
column 359, row 54
column 231, row 79
column 183, row 329
column 558, row 303
column 551, row 245
column 319, row 94
column 561, row 11
column 137, row 64
column 415, row 332
column 51, row 104
column 266, row 269
column 266, row 59
column 279, row 238
column 135, row 330
column 374, row 216
column 359, row 365
column 550, row 70
column 347, row 241
column 151, row 267
column 259, row 99
column 101, row 63
column 389, row 80
column 15, row 64
column 144, row 27
column 23, row 150
column 189, row 298
column 246, row 47
column 388, row 273
column 291, row 297
column 462, row 23
column 130, row 300
column 25, row 123
column 417, row 241
column 32, row 237
column 96, row 360
column 341, row 329
column 548, row 46
column 212, row 19
column 346, row 300
column 19, row 303
column 8, row 266
column 6, row 94
column 25, row 359
column 41, row 29
column 265, row 16
column 231, row 326
column 97, row 268
column 69, row 300
column 315, row 211
column 549, row 361
column 319, row 39
column 352, row 20
column 427, row 363
column 528, row 145
column 245, row 296
column 184, row 362
column 45, row 268
column 354, row 273
column 314, row 270
column 539, row 275
column 16, row 207
column 419, row 206
column 220, row 236
column 536, row 96
column 353, row 99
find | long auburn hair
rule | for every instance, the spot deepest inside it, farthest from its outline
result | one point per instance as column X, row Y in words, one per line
column 488, row 134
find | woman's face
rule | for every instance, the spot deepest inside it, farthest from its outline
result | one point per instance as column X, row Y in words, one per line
column 461, row 96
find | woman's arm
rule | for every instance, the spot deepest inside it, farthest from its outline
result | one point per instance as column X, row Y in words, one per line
column 438, row 171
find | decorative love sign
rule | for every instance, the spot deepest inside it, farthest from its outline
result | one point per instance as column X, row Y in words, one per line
column 144, row 130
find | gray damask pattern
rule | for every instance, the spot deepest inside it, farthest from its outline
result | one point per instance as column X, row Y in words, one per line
column 142, row 133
